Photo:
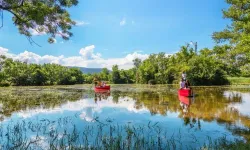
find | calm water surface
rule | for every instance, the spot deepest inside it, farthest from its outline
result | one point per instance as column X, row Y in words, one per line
column 213, row 113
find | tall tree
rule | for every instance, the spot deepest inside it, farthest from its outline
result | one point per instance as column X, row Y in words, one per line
column 42, row 16
column 115, row 74
column 237, row 34
column 137, row 62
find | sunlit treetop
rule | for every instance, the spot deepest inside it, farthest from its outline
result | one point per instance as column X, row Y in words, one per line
column 237, row 34
column 239, row 13
column 44, row 16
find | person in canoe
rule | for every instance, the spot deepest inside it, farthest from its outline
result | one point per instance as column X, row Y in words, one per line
column 182, row 84
column 95, row 81
column 183, row 80
column 99, row 83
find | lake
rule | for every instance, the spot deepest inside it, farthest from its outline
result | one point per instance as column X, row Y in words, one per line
column 128, row 117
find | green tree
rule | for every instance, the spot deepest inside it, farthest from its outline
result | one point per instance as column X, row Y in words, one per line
column 115, row 74
column 160, row 75
column 206, row 70
column 39, row 77
column 237, row 34
column 104, row 74
column 137, row 62
column 50, row 16
column 147, row 69
column 88, row 78
column 223, row 53
column 76, row 72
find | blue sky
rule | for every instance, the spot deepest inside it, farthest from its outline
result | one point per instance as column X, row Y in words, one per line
column 119, row 29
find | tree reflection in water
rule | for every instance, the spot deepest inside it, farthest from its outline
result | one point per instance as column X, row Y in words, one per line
column 101, row 96
column 211, row 104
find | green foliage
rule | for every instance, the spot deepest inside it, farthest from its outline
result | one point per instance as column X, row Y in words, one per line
column 209, row 67
column 19, row 73
column 49, row 16
column 245, row 70
column 104, row 75
column 237, row 34
column 115, row 75
column 206, row 71
column 137, row 62
column 88, row 78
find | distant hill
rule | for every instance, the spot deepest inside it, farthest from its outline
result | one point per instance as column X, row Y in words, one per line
column 88, row 70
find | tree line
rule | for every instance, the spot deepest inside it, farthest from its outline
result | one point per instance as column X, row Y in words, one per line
column 206, row 67
column 21, row 73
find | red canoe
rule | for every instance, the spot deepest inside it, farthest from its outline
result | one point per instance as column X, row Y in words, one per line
column 102, row 88
column 185, row 92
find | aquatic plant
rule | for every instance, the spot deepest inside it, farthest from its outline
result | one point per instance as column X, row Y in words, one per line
column 63, row 134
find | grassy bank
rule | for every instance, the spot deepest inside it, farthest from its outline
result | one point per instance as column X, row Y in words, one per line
column 239, row 80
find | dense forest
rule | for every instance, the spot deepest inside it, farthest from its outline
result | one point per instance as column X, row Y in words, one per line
column 229, row 57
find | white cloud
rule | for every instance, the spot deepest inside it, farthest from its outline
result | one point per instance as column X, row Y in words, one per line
column 3, row 51
column 88, row 53
column 87, row 58
column 31, row 57
column 81, row 23
column 123, row 22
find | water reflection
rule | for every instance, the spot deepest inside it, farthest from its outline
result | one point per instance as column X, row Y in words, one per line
column 185, row 102
column 213, row 109
column 101, row 96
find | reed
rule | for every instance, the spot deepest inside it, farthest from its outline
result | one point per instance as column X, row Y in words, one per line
column 97, row 135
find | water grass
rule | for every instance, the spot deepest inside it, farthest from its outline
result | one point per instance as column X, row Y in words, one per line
column 98, row 135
